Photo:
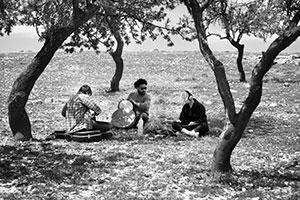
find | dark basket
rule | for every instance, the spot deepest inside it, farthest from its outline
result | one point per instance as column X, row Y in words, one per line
column 90, row 136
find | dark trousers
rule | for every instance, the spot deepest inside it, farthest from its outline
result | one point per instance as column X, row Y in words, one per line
column 202, row 128
column 102, row 126
column 97, row 125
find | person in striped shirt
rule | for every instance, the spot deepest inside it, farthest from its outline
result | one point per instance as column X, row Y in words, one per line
column 80, row 111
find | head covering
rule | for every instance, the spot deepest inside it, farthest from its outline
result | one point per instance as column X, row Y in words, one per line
column 186, row 95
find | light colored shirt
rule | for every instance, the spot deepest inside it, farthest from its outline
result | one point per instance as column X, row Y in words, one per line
column 77, row 112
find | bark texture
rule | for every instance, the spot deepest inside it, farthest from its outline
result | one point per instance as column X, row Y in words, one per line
column 18, row 118
column 239, row 59
column 116, row 55
column 238, row 121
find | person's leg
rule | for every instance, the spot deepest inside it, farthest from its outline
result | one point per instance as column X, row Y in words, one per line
column 177, row 126
column 102, row 126
column 190, row 132
column 202, row 129
column 134, row 123
column 145, row 118
column 185, row 129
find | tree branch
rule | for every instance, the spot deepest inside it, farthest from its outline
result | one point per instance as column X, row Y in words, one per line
column 295, row 20
column 172, row 30
column 206, row 4
column 218, row 35
column 76, row 9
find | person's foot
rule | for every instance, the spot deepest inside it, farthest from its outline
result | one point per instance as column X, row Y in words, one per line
column 193, row 133
column 177, row 133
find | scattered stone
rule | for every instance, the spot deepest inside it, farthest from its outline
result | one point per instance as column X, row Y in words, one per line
column 273, row 104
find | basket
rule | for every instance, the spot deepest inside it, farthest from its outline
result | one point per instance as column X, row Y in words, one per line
column 90, row 136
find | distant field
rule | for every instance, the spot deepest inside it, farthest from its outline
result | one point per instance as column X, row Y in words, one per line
column 266, row 161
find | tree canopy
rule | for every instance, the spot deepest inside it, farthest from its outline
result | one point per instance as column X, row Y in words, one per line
column 134, row 22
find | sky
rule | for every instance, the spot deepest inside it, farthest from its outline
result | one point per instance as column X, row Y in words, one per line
column 25, row 39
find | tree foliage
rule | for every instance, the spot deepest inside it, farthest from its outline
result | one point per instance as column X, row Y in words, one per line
column 121, row 23
column 8, row 16
column 134, row 21
column 55, row 21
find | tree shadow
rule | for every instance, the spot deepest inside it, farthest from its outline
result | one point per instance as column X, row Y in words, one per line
column 283, row 175
column 259, row 126
column 216, row 126
column 270, row 178
column 24, row 165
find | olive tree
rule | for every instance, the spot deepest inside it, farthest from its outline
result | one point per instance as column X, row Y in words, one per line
column 237, row 21
column 120, row 24
column 287, row 14
column 58, row 19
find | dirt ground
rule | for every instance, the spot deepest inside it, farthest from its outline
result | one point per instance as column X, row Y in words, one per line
column 266, row 162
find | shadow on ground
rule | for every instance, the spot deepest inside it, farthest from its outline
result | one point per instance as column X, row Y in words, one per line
column 24, row 165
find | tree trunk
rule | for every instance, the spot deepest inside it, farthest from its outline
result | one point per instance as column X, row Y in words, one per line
column 115, row 81
column 117, row 54
column 232, row 135
column 239, row 60
column 18, row 119
column 239, row 63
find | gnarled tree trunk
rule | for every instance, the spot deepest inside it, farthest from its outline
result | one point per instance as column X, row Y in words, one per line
column 228, row 141
column 18, row 119
column 239, row 59
column 117, row 54
column 115, row 81
column 239, row 62
column 232, row 135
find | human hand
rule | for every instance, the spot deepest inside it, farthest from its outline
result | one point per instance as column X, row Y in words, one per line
column 192, row 123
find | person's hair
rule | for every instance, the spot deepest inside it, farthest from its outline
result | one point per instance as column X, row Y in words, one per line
column 190, row 95
column 140, row 82
column 85, row 89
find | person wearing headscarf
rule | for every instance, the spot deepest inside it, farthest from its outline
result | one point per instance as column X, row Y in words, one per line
column 192, row 120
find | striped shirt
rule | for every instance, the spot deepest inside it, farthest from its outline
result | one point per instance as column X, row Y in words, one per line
column 77, row 112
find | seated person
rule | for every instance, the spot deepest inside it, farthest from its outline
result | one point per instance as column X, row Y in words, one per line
column 192, row 119
column 80, row 112
column 141, row 101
